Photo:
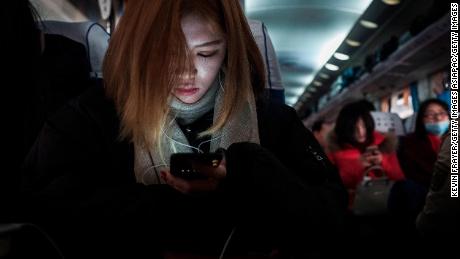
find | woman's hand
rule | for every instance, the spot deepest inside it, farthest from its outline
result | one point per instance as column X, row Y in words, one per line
column 376, row 158
column 365, row 161
column 372, row 156
column 214, row 176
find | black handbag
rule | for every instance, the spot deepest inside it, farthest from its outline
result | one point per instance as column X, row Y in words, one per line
column 371, row 195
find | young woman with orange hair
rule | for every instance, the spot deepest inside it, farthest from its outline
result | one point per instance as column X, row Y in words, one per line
column 182, row 76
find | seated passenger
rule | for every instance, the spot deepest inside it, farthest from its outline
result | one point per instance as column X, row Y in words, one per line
column 21, row 57
column 38, row 69
column 438, row 221
column 439, row 218
column 354, row 147
column 47, row 70
column 182, row 76
column 441, row 87
column 320, row 130
column 418, row 151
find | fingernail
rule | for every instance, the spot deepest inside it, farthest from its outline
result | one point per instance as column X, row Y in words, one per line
column 163, row 174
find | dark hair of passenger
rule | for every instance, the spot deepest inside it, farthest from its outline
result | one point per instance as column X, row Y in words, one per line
column 346, row 124
column 420, row 130
column 21, row 56
column 141, row 88
column 365, row 104
column 317, row 125
column 23, row 34
column 21, row 44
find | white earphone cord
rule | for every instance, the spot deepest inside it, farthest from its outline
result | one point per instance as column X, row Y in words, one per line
column 226, row 243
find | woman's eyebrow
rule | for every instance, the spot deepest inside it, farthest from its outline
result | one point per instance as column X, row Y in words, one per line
column 214, row 42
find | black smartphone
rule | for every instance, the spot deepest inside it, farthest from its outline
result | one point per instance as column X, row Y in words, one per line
column 373, row 150
column 182, row 164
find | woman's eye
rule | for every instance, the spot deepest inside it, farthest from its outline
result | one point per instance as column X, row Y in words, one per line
column 207, row 54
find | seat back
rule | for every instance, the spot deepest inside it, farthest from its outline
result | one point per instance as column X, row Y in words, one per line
column 273, row 75
column 92, row 35
column 96, row 40
column 409, row 124
column 25, row 240
column 388, row 122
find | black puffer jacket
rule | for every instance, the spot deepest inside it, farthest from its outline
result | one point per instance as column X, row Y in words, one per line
column 80, row 185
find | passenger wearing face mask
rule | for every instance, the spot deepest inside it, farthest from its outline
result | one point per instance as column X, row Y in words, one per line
column 418, row 150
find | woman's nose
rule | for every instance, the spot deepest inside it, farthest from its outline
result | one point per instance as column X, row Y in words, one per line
column 189, row 74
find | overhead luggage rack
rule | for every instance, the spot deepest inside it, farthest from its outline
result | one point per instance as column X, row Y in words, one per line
column 424, row 53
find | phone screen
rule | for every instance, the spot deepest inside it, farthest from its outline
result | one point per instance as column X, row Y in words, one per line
column 372, row 150
column 182, row 164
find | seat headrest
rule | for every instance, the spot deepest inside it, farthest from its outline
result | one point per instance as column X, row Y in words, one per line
column 388, row 122
column 92, row 35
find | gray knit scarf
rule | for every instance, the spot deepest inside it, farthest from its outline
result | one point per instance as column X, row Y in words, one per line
column 242, row 127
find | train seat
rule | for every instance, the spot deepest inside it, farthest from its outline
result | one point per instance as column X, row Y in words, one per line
column 96, row 40
column 274, row 82
column 388, row 122
column 409, row 123
column 92, row 35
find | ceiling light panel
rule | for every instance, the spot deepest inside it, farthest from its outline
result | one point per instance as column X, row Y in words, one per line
column 391, row 2
column 368, row 24
column 353, row 43
column 317, row 83
column 341, row 56
column 331, row 67
column 324, row 75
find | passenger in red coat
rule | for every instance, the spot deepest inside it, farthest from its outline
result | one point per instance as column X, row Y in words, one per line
column 354, row 147
column 352, row 162
column 418, row 151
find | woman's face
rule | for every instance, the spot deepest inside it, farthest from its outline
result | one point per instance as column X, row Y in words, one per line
column 435, row 113
column 207, row 48
column 360, row 131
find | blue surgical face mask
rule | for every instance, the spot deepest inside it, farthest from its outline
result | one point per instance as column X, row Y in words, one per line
column 437, row 128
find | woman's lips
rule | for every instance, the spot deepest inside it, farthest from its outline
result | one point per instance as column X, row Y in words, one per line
column 186, row 91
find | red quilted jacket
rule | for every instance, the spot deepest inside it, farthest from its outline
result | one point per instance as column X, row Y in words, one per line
column 347, row 159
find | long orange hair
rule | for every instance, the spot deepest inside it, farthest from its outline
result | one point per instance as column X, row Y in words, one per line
column 148, row 51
